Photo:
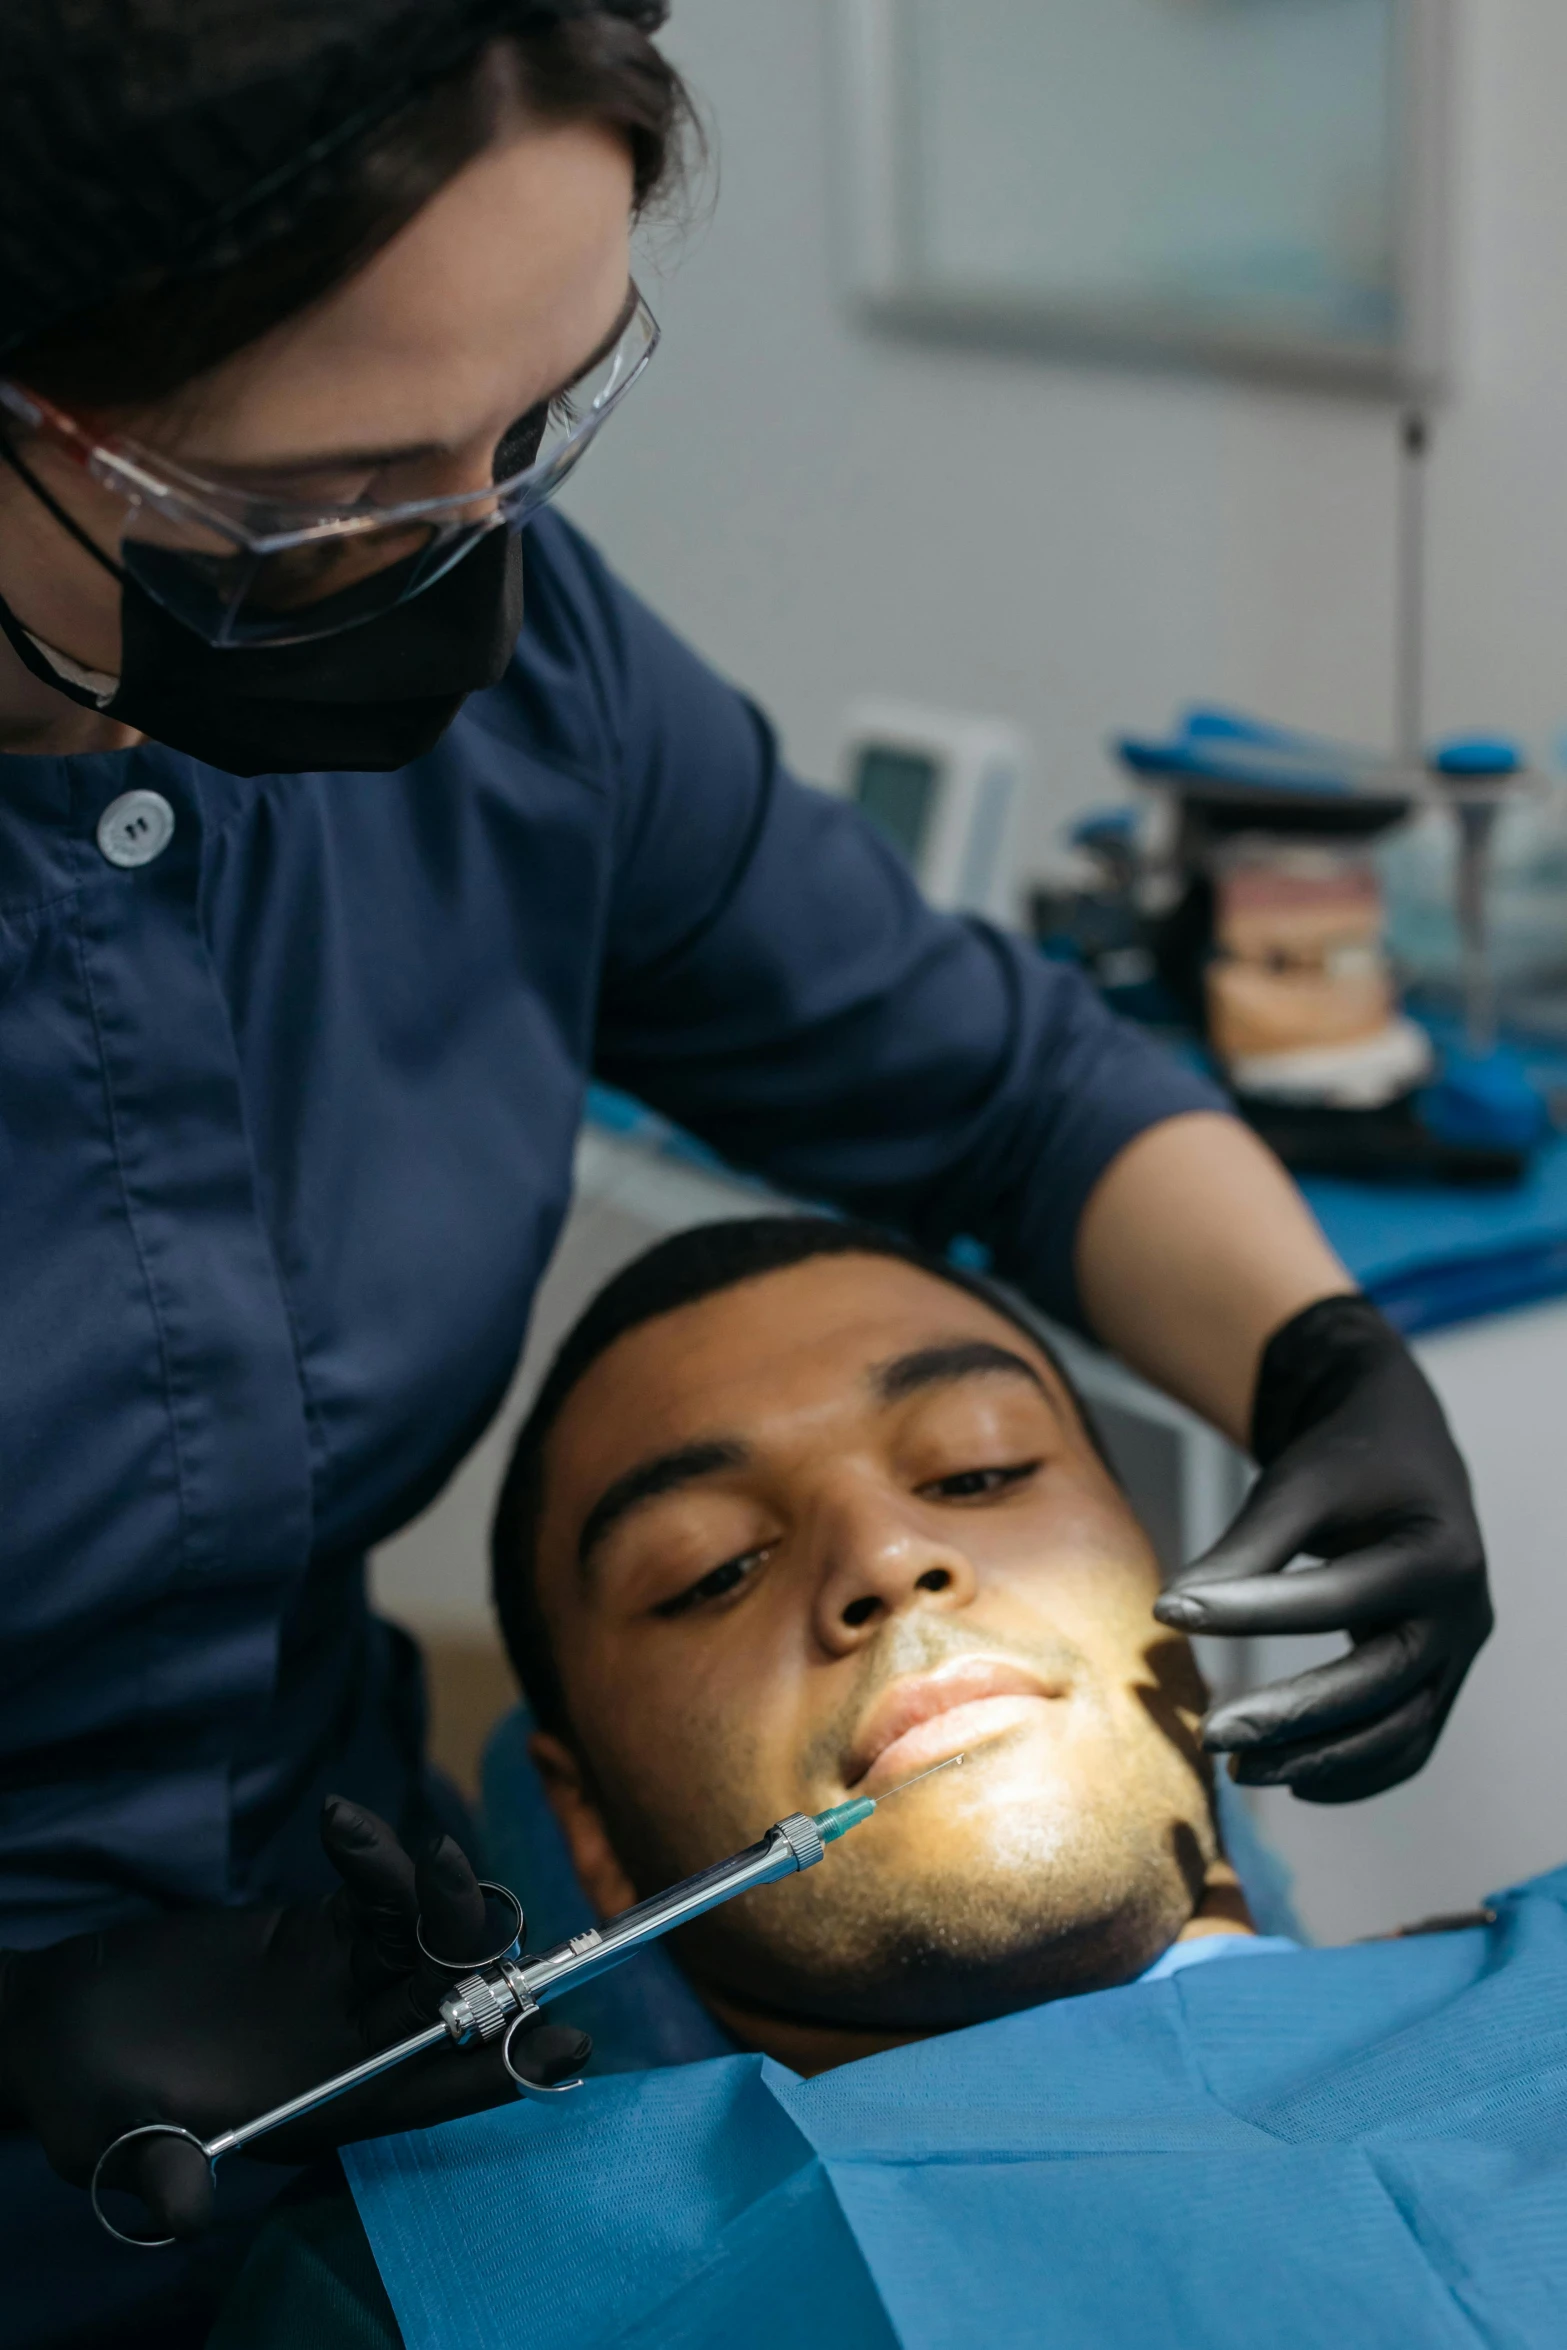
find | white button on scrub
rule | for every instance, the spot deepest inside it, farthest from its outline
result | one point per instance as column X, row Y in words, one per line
column 135, row 828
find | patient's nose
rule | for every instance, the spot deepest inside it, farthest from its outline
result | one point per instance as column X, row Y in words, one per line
column 879, row 1561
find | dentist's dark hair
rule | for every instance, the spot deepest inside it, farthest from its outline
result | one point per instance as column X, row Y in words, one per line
column 591, row 68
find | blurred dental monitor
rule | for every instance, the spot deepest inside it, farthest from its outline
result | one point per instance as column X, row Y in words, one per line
column 946, row 790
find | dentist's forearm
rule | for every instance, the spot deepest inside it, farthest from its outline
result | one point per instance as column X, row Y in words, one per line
column 1193, row 1250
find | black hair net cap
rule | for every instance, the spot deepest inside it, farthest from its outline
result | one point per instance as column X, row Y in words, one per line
column 143, row 140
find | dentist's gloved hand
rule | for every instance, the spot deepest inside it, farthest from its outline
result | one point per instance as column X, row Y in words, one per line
column 210, row 2018
column 1358, row 1470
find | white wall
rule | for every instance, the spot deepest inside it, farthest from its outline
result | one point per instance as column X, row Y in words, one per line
column 828, row 511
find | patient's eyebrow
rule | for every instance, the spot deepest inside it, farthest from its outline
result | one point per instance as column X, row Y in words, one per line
column 667, row 1472
column 943, row 1366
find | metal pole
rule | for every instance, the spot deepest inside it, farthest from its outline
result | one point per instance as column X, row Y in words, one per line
column 1414, row 476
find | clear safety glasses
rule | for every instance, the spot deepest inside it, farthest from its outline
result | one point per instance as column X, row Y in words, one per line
column 243, row 565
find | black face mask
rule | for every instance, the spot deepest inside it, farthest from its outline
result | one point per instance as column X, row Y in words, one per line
column 375, row 696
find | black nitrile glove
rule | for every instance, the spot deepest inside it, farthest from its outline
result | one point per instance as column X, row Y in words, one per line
column 1359, row 1469
column 210, row 2018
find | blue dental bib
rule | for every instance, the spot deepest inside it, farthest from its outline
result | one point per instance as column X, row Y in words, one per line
column 1360, row 2147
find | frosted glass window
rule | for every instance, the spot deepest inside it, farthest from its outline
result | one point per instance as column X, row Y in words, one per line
column 1252, row 178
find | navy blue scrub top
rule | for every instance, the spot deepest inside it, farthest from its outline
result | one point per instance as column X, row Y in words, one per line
column 287, row 1119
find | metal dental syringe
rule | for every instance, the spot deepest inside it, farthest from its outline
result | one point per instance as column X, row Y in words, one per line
column 501, row 1995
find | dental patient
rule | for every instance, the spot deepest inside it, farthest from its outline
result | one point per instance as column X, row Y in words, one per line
column 799, row 1515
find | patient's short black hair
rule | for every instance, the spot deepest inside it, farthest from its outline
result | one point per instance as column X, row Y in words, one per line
column 681, row 1271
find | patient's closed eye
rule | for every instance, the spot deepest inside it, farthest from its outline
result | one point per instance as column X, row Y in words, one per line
column 716, row 1585
column 979, row 1484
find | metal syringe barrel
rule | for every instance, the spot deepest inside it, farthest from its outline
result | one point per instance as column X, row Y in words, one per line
column 484, row 2003
column 498, row 1998
column 794, row 1844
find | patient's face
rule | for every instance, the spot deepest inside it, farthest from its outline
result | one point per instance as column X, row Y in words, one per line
column 803, row 1540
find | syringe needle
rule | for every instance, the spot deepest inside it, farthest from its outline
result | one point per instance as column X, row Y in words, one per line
column 950, row 1764
column 844, row 1816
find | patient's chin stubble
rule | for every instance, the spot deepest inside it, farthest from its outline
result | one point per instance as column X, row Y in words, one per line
column 1050, row 1898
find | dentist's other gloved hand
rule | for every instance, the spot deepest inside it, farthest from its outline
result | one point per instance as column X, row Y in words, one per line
column 1358, row 1470
column 210, row 2018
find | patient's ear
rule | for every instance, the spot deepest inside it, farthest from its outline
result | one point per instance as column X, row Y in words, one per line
column 599, row 1872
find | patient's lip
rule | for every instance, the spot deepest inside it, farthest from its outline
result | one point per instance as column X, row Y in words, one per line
column 966, row 1682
